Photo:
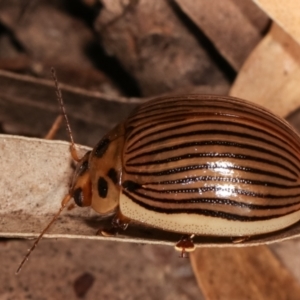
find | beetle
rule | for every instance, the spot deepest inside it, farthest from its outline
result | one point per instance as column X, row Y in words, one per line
column 196, row 165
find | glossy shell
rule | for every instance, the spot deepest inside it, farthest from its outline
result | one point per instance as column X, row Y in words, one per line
column 210, row 165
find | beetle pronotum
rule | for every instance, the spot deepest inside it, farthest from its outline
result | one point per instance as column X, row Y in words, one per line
column 196, row 165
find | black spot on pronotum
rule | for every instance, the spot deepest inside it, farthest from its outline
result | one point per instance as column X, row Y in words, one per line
column 101, row 147
column 102, row 187
column 78, row 196
column 113, row 175
column 130, row 185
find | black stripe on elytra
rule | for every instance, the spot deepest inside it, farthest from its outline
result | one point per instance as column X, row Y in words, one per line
column 171, row 118
column 213, row 201
column 211, row 155
column 184, row 115
column 218, row 103
column 140, row 128
column 216, row 143
column 101, row 148
column 193, row 179
column 205, row 212
column 217, row 189
column 216, row 109
column 208, row 167
column 162, row 111
column 211, row 132
column 211, row 122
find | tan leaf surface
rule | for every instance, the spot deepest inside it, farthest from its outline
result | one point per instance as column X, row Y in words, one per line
column 34, row 178
column 285, row 13
column 271, row 74
column 122, row 271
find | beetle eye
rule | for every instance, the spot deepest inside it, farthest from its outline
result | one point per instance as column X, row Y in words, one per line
column 78, row 196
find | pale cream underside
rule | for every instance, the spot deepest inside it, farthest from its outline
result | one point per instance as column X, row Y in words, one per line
column 203, row 225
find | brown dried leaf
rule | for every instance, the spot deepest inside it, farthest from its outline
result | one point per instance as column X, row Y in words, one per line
column 155, row 47
column 288, row 253
column 286, row 14
column 248, row 273
column 34, row 178
column 29, row 107
column 49, row 35
column 271, row 74
column 234, row 27
column 46, row 31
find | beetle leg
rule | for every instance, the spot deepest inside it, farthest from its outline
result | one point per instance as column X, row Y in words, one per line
column 119, row 222
column 54, row 128
column 185, row 244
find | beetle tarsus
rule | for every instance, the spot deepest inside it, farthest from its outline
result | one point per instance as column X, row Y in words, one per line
column 240, row 239
column 118, row 223
column 185, row 245
column 108, row 232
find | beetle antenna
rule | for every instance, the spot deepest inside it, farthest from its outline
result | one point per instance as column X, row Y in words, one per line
column 64, row 203
column 74, row 155
column 63, row 112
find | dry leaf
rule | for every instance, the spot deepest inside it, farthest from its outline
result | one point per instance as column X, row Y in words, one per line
column 45, row 32
column 29, row 106
column 271, row 74
column 288, row 253
column 234, row 27
column 122, row 271
column 286, row 14
column 248, row 273
column 44, row 29
column 155, row 46
column 35, row 177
